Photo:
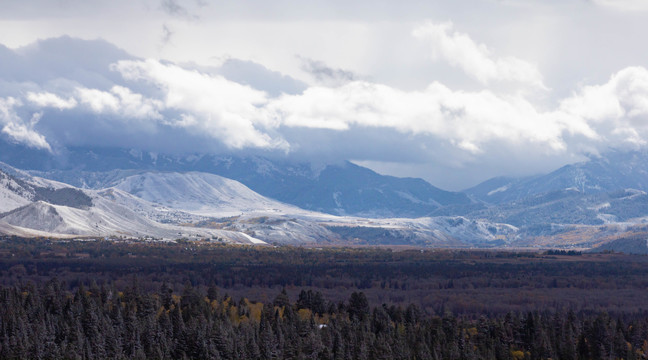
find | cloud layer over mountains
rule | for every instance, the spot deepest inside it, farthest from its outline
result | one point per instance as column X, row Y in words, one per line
column 65, row 91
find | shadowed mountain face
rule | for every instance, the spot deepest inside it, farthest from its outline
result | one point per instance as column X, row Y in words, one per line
column 344, row 189
column 340, row 189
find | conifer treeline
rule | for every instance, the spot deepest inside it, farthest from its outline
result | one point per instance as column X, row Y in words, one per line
column 97, row 322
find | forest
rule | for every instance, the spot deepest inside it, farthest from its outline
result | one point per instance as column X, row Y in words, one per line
column 141, row 299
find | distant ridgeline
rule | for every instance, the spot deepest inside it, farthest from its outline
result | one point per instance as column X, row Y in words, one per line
column 583, row 205
column 341, row 189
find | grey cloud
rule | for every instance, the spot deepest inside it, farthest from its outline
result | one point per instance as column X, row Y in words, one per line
column 260, row 77
column 62, row 64
column 252, row 74
column 50, row 72
column 79, row 128
column 377, row 144
column 149, row 105
column 83, row 61
column 429, row 157
column 326, row 74
column 178, row 10
column 167, row 34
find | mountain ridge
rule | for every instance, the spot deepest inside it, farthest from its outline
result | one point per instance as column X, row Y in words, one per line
column 339, row 189
column 610, row 171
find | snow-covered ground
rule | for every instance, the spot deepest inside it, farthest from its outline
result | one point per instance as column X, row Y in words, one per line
column 12, row 195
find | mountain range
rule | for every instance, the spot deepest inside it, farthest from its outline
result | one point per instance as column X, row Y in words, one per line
column 171, row 205
column 339, row 189
column 125, row 192
column 614, row 170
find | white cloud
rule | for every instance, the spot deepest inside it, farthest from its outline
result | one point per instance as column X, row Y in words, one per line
column 361, row 120
column 98, row 101
column 17, row 129
column 614, row 114
column 47, row 99
column 475, row 59
column 211, row 105
column 120, row 101
column 7, row 108
column 466, row 119
column 470, row 124
column 135, row 105
column 241, row 117
column 616, row 110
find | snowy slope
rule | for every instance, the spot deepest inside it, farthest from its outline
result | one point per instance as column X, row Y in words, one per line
column 147, row 209
column 428, row 231
column 106, row 218
column 31, row 206
column 8, row 229
column 238, row 208
column 157, row 204
column 201, row 193
column 12, row 194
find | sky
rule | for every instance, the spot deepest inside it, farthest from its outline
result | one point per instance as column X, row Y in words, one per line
column 454, row 92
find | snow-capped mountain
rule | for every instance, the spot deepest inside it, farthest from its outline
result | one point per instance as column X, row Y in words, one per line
column 214, row 196
column 584, row 204
column 106, row 218
column 340, row 189
column 612, row 171
column 12, row 193
column 39, row 207
column 200, row 205
column 201, row 193
column 16, row 192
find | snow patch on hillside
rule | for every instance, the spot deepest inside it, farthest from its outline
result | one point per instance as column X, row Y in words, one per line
column 253, row 240
column 499, row 189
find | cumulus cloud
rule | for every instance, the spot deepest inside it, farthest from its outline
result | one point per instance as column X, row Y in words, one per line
column 7, row 108
column 466, row 119
column 475, row 59
column 241, row 117
column 17, row 129
column 209, row 104
column 120, row 101
column 617, row 111
column 354, row 119
column 47, row 99
column 595, row 117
